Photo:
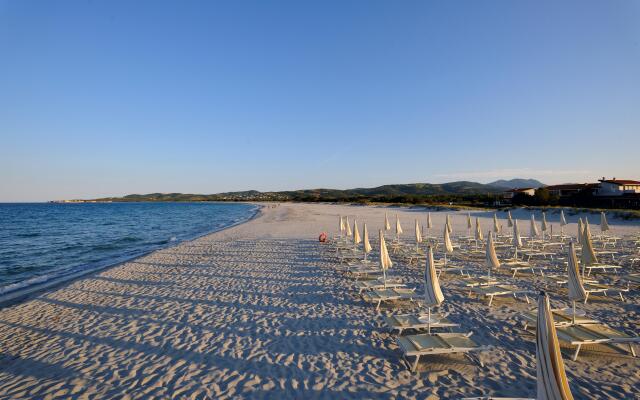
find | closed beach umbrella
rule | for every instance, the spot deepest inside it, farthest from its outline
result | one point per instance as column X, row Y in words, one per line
column 551, row 378
column 385, row 260
column 533, row 231
column 469, row 225
column 587, row 227
column 418, row 234
column 367, row 245
column 448, row 221
column 478, row 235
column 509, row 219
column 544, row 225
column 580, row 230
column 429, row 222
column 341, row 224
column 398, row 228
column 496, row 225
column 563, row 222
column 576, row 288
column 604, row 225
column 448, row 246
column 356, row 233
column 491, row 258
column 588, row 255
column 348, row 227
column 432, row 293
column 387, row 226
column 517, row 240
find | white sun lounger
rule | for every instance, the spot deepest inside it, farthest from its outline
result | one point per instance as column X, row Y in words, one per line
column 595, row 334
column 438, row 343
column 387, row 295
column 375, row 284
column 499, row 290
column 404, row 322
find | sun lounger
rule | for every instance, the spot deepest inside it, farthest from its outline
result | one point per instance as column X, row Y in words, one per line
column 602, row 268
column 375, row 284
column 585, row 332
column 595, row 334
column 517, row 266
column 499, row 290
column 384, row 295
column 560, row 318
column 404, row 322
column 438, row 343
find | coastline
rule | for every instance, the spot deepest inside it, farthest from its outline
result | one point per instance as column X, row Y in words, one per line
column 24, row 294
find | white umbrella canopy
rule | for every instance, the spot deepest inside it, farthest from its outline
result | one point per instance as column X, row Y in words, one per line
column 469, row 224
column 533, row 231
column 491, row 258
column 356, row 233
column 509, row 219
column 448, row 246
column 341, row 224
column 496, row 225
column 563, row 222
column 387, row 226
column 385, row 260
column 478, row 234
column 604, row 224
column 588, row 255
column 365, row 235
column 418, row 233
column 429, row 222
column 432, row 293
column 576, row 288
column 551, row 378
column 580, row 230
column 517, row 240
column 348, row 227
column 448, row 222
column 587, row 227
column 398, row 226
column 544, row 227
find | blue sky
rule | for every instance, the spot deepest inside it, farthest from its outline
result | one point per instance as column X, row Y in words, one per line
column 105, row 98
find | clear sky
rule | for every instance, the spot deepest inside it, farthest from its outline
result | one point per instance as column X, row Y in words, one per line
column 112, row 97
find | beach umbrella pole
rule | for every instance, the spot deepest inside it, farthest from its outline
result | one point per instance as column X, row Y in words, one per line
column 574, row 311
column 429, row 321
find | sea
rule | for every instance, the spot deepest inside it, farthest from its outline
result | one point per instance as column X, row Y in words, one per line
column 43, row 243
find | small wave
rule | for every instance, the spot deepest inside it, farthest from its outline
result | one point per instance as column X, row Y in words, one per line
column 129, row 239
column 28, row 235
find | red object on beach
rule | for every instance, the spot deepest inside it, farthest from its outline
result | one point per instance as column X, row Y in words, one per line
column 323, row 237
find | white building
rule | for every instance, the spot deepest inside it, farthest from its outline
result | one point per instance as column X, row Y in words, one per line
column 617, row 187
column 509, row 194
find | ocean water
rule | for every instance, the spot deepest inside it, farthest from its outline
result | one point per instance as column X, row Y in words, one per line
column 44, row 242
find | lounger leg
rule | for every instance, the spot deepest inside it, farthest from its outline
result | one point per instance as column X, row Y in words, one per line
column 415, row 364
column 621, row 297
column 632, row 350
column 490, row 300
column 378, row 306
column 575, row 355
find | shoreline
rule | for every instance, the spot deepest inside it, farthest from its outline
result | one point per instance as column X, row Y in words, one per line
column 28, row 292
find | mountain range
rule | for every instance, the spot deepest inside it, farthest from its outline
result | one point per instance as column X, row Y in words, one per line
column 411, row 192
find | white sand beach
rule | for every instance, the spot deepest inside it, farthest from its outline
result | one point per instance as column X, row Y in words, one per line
column 259, row 311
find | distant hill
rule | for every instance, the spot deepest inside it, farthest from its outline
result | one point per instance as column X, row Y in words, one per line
column 412, row 192
column 517, row 183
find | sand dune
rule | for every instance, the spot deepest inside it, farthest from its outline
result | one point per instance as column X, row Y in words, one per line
column 259, row 311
